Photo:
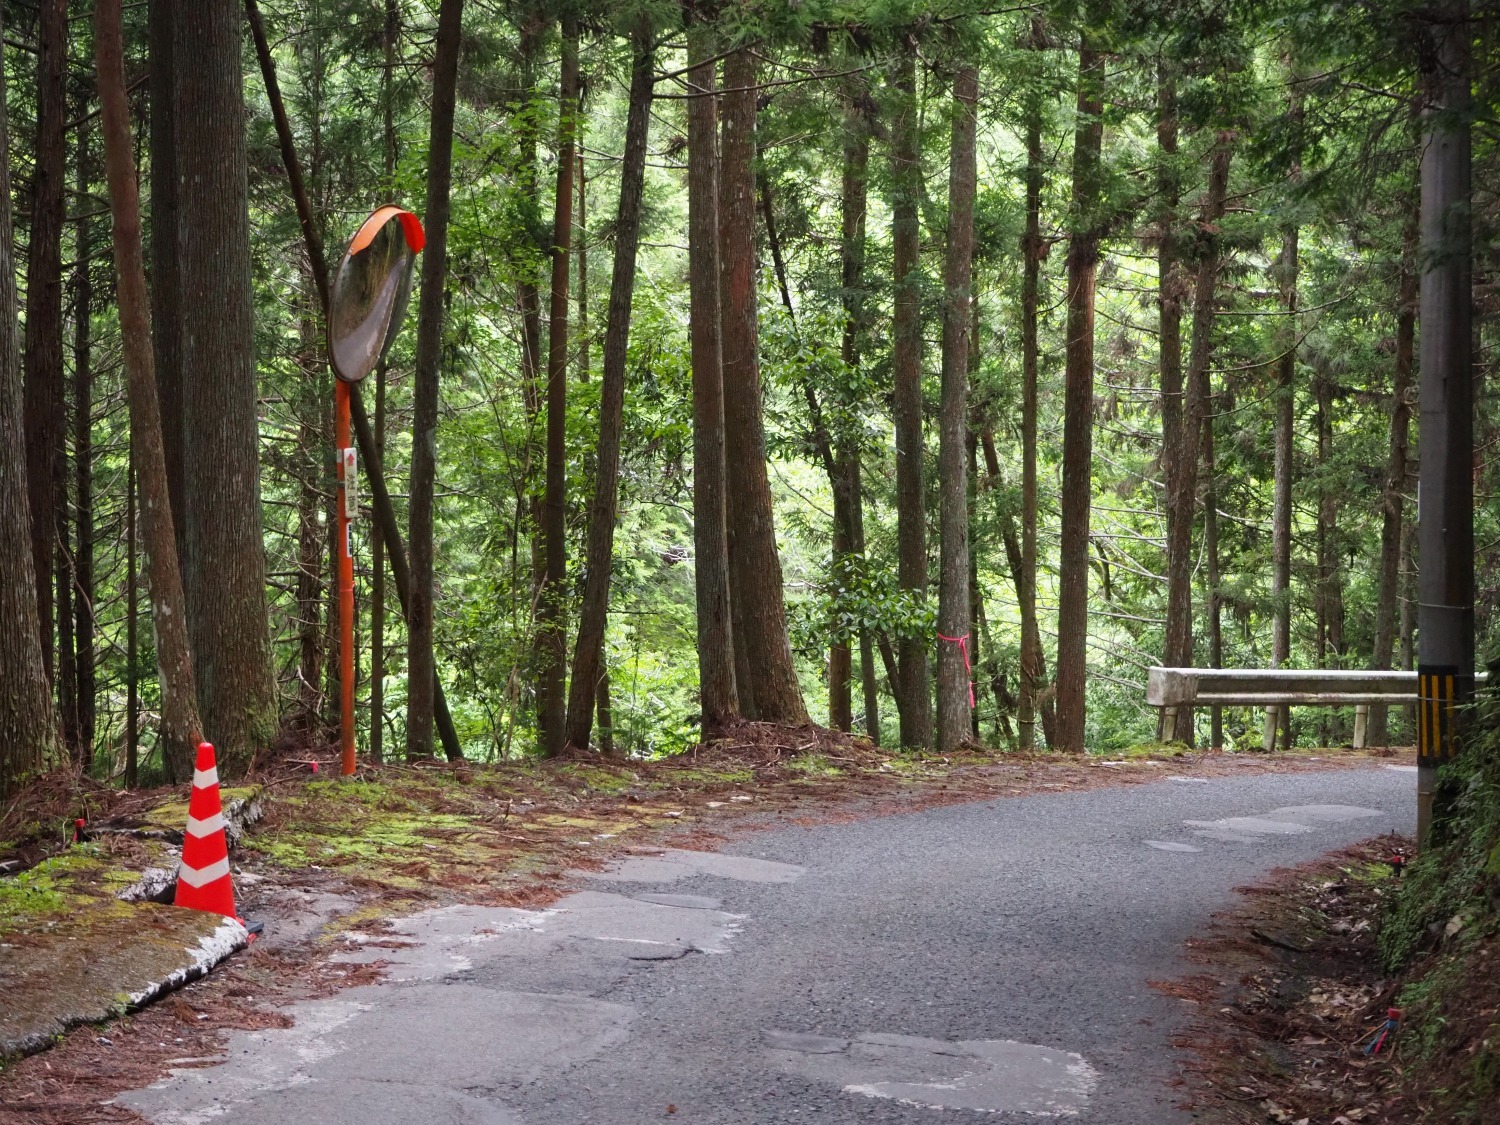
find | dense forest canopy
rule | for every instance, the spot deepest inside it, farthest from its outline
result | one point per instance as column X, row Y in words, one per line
column 924, row 370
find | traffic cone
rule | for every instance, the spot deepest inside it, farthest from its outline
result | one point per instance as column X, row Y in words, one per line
column 203, row 878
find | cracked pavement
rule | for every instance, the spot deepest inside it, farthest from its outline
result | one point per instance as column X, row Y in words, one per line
column 989, row 959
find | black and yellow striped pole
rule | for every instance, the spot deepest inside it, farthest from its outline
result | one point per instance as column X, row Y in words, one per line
column 1445, row 496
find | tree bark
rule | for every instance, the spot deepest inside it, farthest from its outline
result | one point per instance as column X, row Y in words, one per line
column 180, row 729
column 83, row 458
column 1287, row 271
column 1392, row 525
column 166, row 281
column 589, row 674
column 224, row 573
column 529, row 298
column 1281, row 511
column 1329, row 593
column 1014, row 560
column 552, row 606
column 65, row 681
column 377, row 533
column 132, row 621
column 956, row 647
column 43, row 361
column 1078, row 404
column 421, row 664
column 716, row 670
column 28, row 725
column 913, row 692
column 1023, row 569
column 1178, row 443
column 1213, row 600
column 848, row 522
column 315, row 534
column 772, row 694
column 585, row 340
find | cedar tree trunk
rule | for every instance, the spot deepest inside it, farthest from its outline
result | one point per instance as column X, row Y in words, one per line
column 773, row 695
column 956, row 647
column 593, row 617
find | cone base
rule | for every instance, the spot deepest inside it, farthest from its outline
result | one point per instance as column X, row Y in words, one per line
column 214, row 898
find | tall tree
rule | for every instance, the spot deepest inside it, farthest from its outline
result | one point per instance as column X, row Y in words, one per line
column 552, row 605
column 43, row 362
column 392, row 31
column 845, row 454
column 28, row 725
column 180, row 729
column 421, row 663
column 717, row 689
column 1023, row 566
column 1393, row 522
column 1182, row 438
column 1078, row 400
column 1197, row 413
column 1281, row 514
column 913, row 695
column 593, row 617
column 83, row 456
column 955, row 688
column 224, row 571
column 1178, row 445
column 166, row 281
column 533, row 29
column 771, row 693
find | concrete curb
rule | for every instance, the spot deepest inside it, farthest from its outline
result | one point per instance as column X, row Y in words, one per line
column 53, row 988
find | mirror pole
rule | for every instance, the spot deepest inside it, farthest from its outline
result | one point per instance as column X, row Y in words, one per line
column 348, row 508
column 395, row 546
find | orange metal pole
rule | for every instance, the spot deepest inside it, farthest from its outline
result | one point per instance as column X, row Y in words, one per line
column 346, row 504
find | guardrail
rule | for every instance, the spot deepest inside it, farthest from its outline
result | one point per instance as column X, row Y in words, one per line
column 1283, row 687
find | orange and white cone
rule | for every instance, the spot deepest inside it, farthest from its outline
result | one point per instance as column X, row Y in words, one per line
column 203, row 879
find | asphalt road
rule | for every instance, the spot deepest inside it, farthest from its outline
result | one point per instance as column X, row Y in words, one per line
column 989, row 958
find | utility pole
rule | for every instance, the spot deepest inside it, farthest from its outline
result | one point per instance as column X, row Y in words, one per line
column 1445, row 497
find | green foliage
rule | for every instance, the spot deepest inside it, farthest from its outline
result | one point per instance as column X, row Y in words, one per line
column 1326, row 87
column 1441, row 933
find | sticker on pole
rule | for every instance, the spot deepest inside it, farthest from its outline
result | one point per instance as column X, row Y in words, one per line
column 351, row 484
column 371, row 290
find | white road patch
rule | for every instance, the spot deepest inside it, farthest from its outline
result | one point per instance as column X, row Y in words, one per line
column 1171, row 846
column 984, row 1075
column 1251, row 826
column 1322, row 814
column 1290, row 820
column 1403, row 769
column 671, row 864
column 1182, row 780
column 445, row 940
column 618, row 918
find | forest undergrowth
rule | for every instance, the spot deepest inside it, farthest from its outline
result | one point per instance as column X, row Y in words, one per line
column 1301, row 981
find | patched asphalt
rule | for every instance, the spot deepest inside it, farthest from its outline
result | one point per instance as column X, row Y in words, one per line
column 979, row 961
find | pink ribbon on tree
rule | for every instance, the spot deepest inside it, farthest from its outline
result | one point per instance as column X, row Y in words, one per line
column 963, row 647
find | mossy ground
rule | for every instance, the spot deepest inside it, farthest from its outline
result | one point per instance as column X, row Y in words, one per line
column 427, row 830
column 81, row 880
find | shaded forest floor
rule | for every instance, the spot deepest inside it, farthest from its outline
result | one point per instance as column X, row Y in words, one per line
column 1292, row 994
column 327, row 854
